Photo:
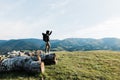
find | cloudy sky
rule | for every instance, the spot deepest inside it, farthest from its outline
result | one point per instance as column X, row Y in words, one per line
column 66, row 18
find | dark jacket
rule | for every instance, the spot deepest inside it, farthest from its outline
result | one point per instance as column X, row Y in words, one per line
column 46, row 36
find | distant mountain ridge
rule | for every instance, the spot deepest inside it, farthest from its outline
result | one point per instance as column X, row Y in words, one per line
column 69, row 44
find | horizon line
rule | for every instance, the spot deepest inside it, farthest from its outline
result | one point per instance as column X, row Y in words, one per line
column 61, row 39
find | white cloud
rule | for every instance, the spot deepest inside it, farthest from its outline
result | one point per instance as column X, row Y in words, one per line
column 59, row 4
column 20, row 29
column 109, row 28
column 7, row 7
column 67, row 18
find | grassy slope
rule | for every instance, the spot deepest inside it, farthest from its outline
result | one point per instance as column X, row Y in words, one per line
column 88, row 65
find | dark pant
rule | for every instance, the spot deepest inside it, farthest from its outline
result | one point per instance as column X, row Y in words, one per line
column 47, row 47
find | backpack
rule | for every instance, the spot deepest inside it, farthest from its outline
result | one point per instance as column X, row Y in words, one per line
column 44, row 37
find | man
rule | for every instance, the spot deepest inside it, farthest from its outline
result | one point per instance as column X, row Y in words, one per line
column 47, row 39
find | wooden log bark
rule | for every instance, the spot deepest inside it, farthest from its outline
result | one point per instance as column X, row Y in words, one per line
column 18, row 63
column 49, row 59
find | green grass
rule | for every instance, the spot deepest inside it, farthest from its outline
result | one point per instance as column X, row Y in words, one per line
column 84, row 65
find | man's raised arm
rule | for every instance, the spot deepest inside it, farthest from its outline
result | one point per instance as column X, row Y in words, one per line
column 50, row 33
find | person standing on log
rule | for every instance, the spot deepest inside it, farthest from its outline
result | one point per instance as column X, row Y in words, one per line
column 46, row 38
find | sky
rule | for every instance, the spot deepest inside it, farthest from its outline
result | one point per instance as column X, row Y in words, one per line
column 21, row 19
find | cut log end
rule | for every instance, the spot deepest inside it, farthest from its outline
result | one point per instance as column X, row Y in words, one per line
column 42, row 67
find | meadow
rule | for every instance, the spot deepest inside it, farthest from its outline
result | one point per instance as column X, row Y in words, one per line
column 77, row 65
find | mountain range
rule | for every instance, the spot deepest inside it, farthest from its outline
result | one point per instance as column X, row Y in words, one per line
column 69, row 44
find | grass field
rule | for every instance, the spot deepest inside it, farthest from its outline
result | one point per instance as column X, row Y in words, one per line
column 84, row 65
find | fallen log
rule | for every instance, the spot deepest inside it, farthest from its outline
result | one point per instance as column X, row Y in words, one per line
column 49, row 59
column 18, row 63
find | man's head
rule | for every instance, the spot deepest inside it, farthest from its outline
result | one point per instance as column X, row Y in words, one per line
column 47, row 32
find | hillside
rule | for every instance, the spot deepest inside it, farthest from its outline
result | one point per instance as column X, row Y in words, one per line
column 85, row 65
column 69, row 44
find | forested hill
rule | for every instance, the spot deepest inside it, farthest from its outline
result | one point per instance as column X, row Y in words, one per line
column 69, row 44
